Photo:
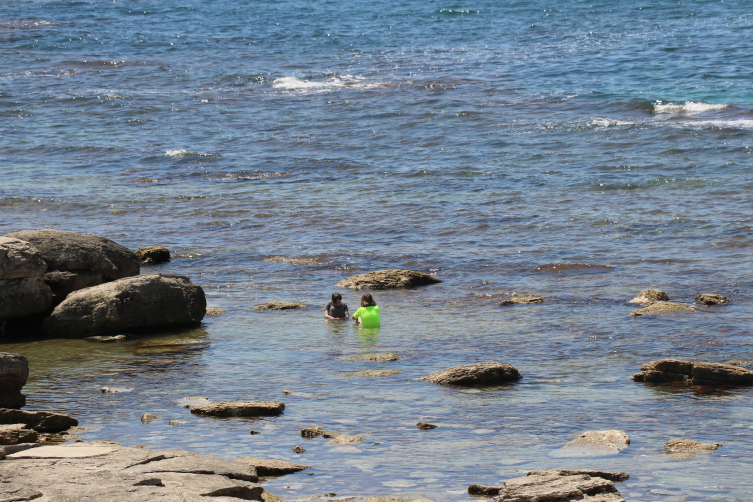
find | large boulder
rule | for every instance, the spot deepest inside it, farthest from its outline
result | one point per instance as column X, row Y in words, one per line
column 73, row 252
column 22, row 288
column 133, row 303
column 471, row 375
column 64, row 283
column 14, row 372
column 671, row 370
column 388, row 279
column 581, row 487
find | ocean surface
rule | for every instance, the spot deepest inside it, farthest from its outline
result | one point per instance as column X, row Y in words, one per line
column 581, row 151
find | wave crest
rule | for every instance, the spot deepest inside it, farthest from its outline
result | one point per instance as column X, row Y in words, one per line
column 342, row 81
column 687, row 107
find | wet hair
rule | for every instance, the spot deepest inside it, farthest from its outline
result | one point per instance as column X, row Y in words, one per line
column 336, row 297
column 367, row 300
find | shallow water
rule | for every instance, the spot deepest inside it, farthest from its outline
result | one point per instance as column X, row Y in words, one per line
column 580, row 152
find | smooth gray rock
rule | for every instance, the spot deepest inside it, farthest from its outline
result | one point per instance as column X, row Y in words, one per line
column 64, row 283
column 199, row 464
column 388, row 279
column 14, row 372
column 40, row 421
column 671, row 370
column 72, row 251
column 133, row 303
column 471, row 375
column 580, row 487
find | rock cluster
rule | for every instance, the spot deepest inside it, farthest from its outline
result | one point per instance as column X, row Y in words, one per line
column 473, row 375
column 671, row 370
column 388, row 279
column 14, row 372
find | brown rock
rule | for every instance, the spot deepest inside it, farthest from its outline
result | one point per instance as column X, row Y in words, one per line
column 388, row 279
column 553, row 488
column 520, row 299
column 648, row 296
column 215, row 311
column 148, row 417
column 484, row 491
column 425, row 426
column 478, row 374
column 254, row 433
column 272, row 467
column 17, row 433
column 152, row 255
column 64, row 283
column 378, row 358
column 617, row 477
column 280, row 306
column 670, row 370
column 299, row 449
column 688, row 446
column 14, row 372
column 374, row 373
column 711, row 299
column 40, row 421
column 22, row 288
column 662, row 308
column 311, row 432
column 239, row 409
column 105, row 339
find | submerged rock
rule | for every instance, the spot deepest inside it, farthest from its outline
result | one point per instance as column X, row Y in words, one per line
column 177, row 422
column 239, row 409
column 617, row 477
column 148, row 417
column 133, row 303
column 424, row 426
column 648, row 296
column 686, row 446
column 152, row 255
column 373, row 373
column 595, row 443
column 272, row 467
column 105, row 339
column 346, row 439
column 280, row 306
column 484, row 491
column 215, row 311
column 298, row 449
column 711, row 299
column 22, row 288
column 471, row 375
column 388, row 279
column 14, row 372
column 40, row 421
column 312, row 432
column 378, row 358
column 671, row 370
column 581, row 487
column 17, row 433
column 520, row 299
column 661, row 308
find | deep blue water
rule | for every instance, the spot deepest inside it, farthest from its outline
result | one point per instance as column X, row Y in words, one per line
column 580, row 151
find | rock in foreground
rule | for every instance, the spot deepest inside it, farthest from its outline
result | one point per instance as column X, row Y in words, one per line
column 117, row 473
column 22, row 288
column 662, row 308
column 388, row 279
column 134, row 303
column 711, row 299
column 239, row 409
column 152, row 255
column 580, row 487
column 472, row 375
column 671, row 370
column 40, row 421
column 648, row 296
column 272, row 467
column 14, row 372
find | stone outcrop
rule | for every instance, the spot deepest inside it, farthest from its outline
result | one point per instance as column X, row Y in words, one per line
column 472, row 375
column 377, row 358
column 280, row 306
column 152, row 255
column 272, row 467
column 662, row 308
column 520, row 299
column 133, row 303
column 671, row 370
column 14, row 372
column 17, row 433
column 689, row 448
column 648, row 296
column 596, row 443
column 74, row 252
column 388, row 279
column 239, row 409
column 550, row 488
column 711, row 299
column 22, row 288
column 40, row 421
column 117, row 473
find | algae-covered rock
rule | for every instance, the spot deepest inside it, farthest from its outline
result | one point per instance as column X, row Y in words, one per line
column 478, row 374
column 520, row 299
column 648, row 296
column 215, row 311
column 711, row 299
column 388, row 279
column 662, row 308
column 152, row 255
column 280, row 306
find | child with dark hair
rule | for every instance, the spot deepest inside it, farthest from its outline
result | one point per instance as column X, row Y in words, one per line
column 336, row 309
column 368, row 315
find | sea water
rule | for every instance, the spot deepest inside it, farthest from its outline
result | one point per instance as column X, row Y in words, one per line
column 581, row 151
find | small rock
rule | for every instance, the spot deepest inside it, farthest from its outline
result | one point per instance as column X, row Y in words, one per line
column 662, row 308
column 554, row 488
column 671, row 370
column 471, row 375
column 215, row 311
column 648, row 296
column 177, row 422
column 388, row 279
column 426, row 426
column 373, row 373
column 311, row 432
column 287, row 392
column 484, row 491
column 152, row 255
column 299, row 449
column 108, row 390
column 688, row 446
column 107, row 442
column 738, row 362
column 148, row 417
column 711, row 299
column 254, row 433
column 272, row 467
column 595, row 443
column 280, row 306
column 521, row 299
column 379, row 358
column 239, row 409
column 105, row 339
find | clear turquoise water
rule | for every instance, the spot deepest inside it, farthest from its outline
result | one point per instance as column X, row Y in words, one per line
column 480, row 142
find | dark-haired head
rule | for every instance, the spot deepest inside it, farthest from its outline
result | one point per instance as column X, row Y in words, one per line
column 367, row 300
column 336, row 297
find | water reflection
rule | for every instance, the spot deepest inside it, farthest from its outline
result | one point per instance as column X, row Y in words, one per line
column 367, row 336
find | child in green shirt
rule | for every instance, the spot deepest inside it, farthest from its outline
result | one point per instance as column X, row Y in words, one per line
column 368, row 315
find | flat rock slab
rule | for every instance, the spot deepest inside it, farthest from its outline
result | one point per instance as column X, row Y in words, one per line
column 617, row 477
column 382, row 357
column 239, row 409
column 685, row 448
column 388, row 279
column 272, row 467
column 559, row 488
column 64, row 451
column 40, row 421
column 471, row 375
column 711, row 299
column 662, row 308
column 648, row 296
column 594, row 444
column 373, row 373
column 125, row 474
column 673, row 370
column 280, row 306
column 346, row 439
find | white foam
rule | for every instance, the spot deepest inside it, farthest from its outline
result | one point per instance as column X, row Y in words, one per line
column 343, row 81
column 722, row 124
column 604, row 122
column 178, row 153
column 687, row 107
